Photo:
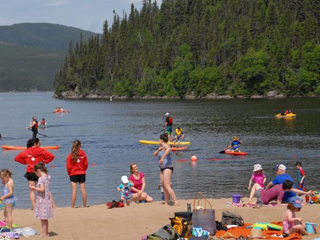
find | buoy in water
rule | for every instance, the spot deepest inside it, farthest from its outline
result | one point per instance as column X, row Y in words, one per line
column 194, row 158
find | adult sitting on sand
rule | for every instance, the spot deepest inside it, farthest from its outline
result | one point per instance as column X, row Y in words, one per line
column 33, row 155
column 264, row 196
column 77, row 164
column 138, row 180
column 166, row 168
column 279, row 179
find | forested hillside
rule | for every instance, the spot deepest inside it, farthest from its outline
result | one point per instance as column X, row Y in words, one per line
column 187, row 47
column 32, row 53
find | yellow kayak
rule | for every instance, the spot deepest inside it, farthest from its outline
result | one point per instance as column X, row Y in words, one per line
column 157, row 142
column 289, row 115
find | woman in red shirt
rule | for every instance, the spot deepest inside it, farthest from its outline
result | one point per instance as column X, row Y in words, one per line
column 139, row 182
column 77, row 164
column 33, row 155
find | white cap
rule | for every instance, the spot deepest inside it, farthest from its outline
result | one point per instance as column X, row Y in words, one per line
column 282, row 167
column 124, row 180
column 167, row 114
column 257, row 167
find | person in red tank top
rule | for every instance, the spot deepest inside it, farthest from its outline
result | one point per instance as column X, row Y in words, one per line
column 77, row 164
column 33, row 155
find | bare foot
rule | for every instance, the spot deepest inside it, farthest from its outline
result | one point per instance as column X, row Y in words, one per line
column 176, row 204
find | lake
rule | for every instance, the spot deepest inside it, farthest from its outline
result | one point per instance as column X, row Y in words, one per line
column 110, row 131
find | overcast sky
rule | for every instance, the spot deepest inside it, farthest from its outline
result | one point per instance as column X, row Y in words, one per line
column 84, row 14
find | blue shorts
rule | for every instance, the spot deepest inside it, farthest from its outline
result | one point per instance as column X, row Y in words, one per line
column 169, row 130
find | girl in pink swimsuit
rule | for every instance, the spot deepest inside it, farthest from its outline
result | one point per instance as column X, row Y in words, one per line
column 292, row 224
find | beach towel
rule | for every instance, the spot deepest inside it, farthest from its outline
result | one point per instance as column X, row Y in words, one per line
column 26, row 232
column 236, row 232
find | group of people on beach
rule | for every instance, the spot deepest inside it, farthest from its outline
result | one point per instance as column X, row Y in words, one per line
column 281, row 189
column 38, row 179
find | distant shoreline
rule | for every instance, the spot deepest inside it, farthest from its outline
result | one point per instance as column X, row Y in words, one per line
column 93, row 95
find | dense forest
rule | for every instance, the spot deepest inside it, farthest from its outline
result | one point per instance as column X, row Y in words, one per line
column 203, row 47
column 31, row 54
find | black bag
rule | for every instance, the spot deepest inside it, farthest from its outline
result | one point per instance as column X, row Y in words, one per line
column 164, row 233
column 229, row 218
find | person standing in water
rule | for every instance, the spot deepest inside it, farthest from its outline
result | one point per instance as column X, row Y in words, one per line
column 168, row 125
column 166, row 168
column 34, row 127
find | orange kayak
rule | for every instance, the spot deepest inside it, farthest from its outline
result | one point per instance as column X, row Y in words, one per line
column 178, row 148
column 235, row 153
column 5, row 147
column 64, row 111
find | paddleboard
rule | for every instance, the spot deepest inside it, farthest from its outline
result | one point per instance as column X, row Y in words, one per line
column 40, row 125
column 179, row 148
column 235, row 153
column 157, row 142
column 5, row 147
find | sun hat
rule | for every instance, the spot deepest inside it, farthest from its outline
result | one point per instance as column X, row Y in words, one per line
column 257, row 167
column 167, row 114
column 124, row 180
column 296, row 201
column 281, row 167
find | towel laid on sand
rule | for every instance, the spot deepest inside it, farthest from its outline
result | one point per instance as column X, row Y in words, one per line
column 244, row 231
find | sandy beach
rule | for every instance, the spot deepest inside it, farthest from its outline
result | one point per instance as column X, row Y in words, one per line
column 98, row 222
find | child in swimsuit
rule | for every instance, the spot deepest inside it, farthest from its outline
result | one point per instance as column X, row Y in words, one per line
column 8, row 199
column 292, row 224
column 125, row 189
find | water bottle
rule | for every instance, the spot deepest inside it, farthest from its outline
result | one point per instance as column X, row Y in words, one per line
column 189, row 207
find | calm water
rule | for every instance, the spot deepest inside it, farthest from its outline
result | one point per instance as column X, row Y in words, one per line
column 110, row 131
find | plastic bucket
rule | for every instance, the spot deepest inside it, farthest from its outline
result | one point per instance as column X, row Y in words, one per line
column 236, row 198
column 311, row 228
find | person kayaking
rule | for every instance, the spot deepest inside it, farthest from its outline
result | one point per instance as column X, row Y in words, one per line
column 179, row 135
column 285, row 113
column 235, row 144
column 34, row 127
column 168, row 125
column 43, row 122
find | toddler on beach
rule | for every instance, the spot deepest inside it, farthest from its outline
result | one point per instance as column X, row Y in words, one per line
column 44, row 209
column 258, row 177
column 301, row 177
column 125, row 189
column 8, row 200
column 292, row 224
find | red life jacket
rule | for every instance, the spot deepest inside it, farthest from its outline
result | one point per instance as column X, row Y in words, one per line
column 169, row 121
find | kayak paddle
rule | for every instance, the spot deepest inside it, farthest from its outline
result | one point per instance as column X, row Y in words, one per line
column 224, row 151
